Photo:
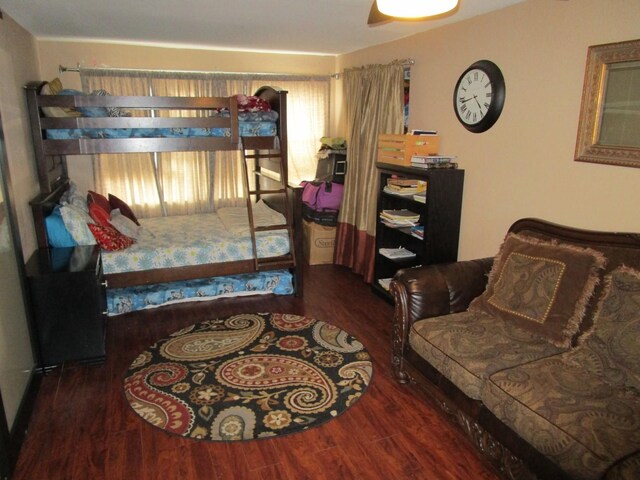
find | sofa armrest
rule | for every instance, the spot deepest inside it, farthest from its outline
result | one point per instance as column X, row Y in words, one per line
column 431, row 291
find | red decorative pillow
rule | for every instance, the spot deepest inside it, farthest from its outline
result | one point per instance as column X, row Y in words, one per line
column 93, row 197
column 125, row 210
column 109, row 238
column 252, row 104
column 99, row 214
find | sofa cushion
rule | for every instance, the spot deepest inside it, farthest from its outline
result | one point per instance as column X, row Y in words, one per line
column 626, row 469
column 581, row 408
column 468, row 347
column 542, row 286
column 611, row 348
column 567, row 413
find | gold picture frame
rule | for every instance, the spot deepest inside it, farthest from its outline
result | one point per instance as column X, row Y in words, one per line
column 609, row 127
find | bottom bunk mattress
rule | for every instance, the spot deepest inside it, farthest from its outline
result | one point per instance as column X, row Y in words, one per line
column 130, row 299
column 188, row 240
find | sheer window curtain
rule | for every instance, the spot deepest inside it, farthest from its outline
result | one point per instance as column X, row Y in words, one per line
column 175, row 183
column 308, row 121
column 197, row 182
column 132, row 176
column 374, row 104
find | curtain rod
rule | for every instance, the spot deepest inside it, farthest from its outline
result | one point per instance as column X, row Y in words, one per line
column 76, row 69
column 407, row 62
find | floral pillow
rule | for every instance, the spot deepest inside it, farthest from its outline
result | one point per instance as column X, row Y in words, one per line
column 76, row 220
column 99, row 214
column 109, row 238
column 101, row 200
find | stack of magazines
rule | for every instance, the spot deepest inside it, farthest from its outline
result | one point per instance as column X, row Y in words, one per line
column 399, row 218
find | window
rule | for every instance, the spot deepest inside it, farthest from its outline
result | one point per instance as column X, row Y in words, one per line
column 174, row 183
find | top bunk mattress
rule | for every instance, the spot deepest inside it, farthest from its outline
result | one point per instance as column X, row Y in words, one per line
column 251, row 124
column 188, row 240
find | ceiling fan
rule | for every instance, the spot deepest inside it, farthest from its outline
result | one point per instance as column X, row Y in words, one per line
column 384, row 11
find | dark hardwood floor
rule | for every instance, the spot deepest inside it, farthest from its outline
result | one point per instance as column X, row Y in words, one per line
column 84, row 429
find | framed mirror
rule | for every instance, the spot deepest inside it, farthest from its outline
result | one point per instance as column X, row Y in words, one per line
column 609, row 128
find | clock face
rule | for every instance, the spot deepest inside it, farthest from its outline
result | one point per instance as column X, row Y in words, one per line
column 479, row 96
column 474, row 96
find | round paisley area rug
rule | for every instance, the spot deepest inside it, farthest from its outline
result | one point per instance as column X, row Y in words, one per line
column 248, row 376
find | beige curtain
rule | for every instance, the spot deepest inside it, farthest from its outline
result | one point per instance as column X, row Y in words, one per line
column 307, row 123
column 131, row 176
column 374, row 97
column 196, row 182
column 175, row 183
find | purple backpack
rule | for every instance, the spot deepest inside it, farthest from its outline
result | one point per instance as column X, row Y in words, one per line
column 322, row 196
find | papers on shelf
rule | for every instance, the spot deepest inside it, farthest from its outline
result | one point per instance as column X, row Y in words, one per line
column 393, row 192
column 418, row 231
column 399, row 218
column 420, row 197
column 396, row 253
column 405, row 186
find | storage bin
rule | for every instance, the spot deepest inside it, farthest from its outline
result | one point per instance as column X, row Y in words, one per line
column 398, row 149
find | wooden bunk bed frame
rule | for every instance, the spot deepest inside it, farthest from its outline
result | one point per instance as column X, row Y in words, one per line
column 51, row 165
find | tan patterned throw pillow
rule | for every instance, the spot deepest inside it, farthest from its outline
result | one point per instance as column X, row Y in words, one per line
column 542, row 286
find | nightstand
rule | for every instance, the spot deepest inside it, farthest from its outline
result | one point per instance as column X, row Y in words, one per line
column 67, row 293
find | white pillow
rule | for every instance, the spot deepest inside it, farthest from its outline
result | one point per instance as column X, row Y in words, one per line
column 124, row 224
column 76, row 222
column 236, row 219
column 73, row 197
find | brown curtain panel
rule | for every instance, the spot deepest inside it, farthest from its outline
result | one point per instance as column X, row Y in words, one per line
column 374, row 104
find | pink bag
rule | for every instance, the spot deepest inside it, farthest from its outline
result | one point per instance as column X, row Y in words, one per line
column 322, row 196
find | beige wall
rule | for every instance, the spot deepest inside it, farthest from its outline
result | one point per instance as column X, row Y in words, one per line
column 69, row 54
column 524, row 165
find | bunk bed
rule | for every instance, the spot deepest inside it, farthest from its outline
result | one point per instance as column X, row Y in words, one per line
column 205, row 124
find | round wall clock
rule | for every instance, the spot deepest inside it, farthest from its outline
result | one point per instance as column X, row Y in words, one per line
column 479, row 96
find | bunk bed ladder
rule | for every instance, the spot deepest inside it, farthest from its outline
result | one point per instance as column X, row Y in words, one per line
column 261, row 151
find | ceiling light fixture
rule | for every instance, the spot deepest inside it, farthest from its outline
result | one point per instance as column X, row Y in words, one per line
column 415, row 8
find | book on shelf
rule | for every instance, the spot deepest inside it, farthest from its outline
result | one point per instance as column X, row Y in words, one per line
column 400, row 214
column 402, row 182
column 396, row 253
column 434, row 166
column 435, row 159
column 418, row 231
column 424, row 132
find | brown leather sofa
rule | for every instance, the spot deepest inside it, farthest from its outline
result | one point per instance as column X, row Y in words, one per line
column 547, row 386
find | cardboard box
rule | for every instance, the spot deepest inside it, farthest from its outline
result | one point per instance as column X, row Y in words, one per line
column 398, row 149
column 319, row 243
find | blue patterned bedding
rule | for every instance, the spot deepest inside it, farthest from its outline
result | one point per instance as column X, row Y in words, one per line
column 123, row 300
column 251, row 124
column 193, row 240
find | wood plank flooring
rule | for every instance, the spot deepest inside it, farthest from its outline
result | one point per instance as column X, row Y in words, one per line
column 84, row 429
